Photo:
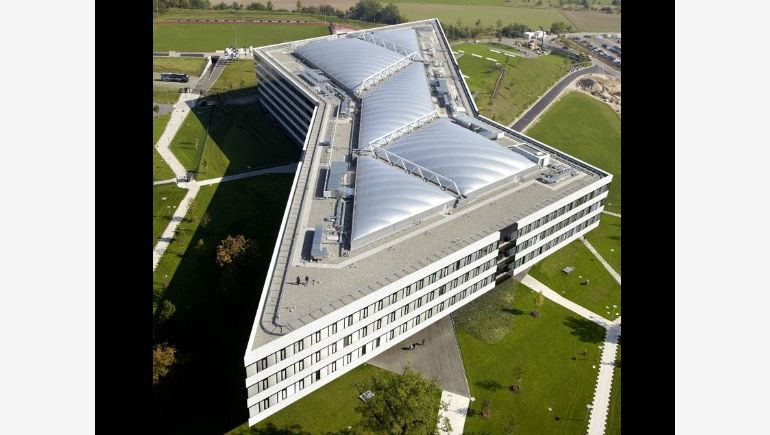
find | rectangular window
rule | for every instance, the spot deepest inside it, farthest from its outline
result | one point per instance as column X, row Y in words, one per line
column 317, row 375
column 406, row 310
column 393, row 298
column 348, row 340
column 283, row 393
column 333, row 366
column 364, row 312
column 350, row 320
column 379, row 305
column 334, row 347
column 282, row 355
column 392, row 317
column 318, row 356
column 363, row 350
column 318, row 336
column 377, row 342
column 379, row 323
column 283, row 375
column 301, row 384
column 334, row 328
column 348, row 358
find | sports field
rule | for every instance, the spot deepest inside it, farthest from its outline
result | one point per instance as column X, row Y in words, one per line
column 525, row 80
column 588, row 129
column 468, row 14
column 211, row 37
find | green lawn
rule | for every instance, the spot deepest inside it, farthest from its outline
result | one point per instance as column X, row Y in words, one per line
column 164, row 95
column 602, row 290
column 488, row 318
column 210, row 37
column 613, row 416
column 543, row 357
column 327, row 410
column 204, row 393
column 240, row 138
column 210, row 14
column 588, row 129
column 165, row 200
column 160, row 170
column 469, row 13
column 238, row 78
column 525, row 80
column 606, row 240
column 182, row 65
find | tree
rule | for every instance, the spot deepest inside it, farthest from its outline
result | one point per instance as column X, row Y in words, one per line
column 235, row 255
column 498, row 24
column 156, row 108
column 401, row 404
column 269, row 5
column 299, row 6
column 538, row 302
column 205, row 220
column 163, row 357
column 167, row 309
column 230, row 249
column 558, row 28
column 478, row 22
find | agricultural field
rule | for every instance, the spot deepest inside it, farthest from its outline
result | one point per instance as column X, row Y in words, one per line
column 231, row 14
column 593, row 21
column 588, row 129
column 525, row 80
column 553, row 359
column 468, row 14
column 602, row 293
column 212, row 323
column 239, row 138
column 211, row 37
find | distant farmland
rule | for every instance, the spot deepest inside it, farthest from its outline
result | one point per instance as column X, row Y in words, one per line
column 594, row 21
column 210, row 37
column 449, row 14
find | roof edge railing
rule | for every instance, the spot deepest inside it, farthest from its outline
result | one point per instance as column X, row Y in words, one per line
column 404, row 129
column 388, row 45
column 393, row 159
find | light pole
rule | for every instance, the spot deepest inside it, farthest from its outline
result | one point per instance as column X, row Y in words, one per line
column 235, row 32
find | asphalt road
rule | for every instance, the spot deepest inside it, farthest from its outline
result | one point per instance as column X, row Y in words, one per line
column 546, row 99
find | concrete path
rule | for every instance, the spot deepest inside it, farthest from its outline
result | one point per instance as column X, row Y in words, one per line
column 439, row 358
column 601, row 403
column 283, row 169
column 538, row 286
column 176, row 219
column 456, row 412
column 601, row 260
column 159, row 182
column 611, row 213
column 182, row 108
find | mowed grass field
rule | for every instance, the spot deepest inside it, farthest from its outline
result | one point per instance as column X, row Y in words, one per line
column 183, row 65
column 165, row 200
column 525, row 80
column 211, row 37
column 468, row 14
column 594, row 21
column 240, row 138
column 328, row 410
column 588, row 129
column 211, row 325
column 602, row 293
column 606, row 240
column 238, row 78
column 160, row 170
column 543, row 356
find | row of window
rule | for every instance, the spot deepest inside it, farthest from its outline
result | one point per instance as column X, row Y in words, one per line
column 547, row 218
column 290, row 124
column 362, row 332
column 558, row 226
column 347, row 359
column 364, row 313
column 267, row 71
column 554, row 242
column 278, row 88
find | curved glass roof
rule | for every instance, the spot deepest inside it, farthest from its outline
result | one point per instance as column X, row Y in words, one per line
column 455, row 152
column 398, row 101
column 386, row 195
column 349, row 60
column 406, row 38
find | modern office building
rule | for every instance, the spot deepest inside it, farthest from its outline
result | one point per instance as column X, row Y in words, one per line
column 406, row 204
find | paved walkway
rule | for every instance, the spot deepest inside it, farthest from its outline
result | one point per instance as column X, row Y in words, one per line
column 439, row 358
column 601, row 403
column 159, row 182
column 283, row 169
column 537, row 286
column 168, row 233
column 611, row 213
column 456, row 412
column 182, row 108
column 601, row 260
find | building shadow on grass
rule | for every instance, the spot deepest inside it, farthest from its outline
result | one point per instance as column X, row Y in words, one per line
column 205, row 392
column 246, row 137
column 586, row 330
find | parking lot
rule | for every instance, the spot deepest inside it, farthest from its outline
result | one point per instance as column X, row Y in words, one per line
column 605, row 45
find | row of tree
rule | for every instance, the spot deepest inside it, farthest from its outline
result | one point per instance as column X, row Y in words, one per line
column 514, row 30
